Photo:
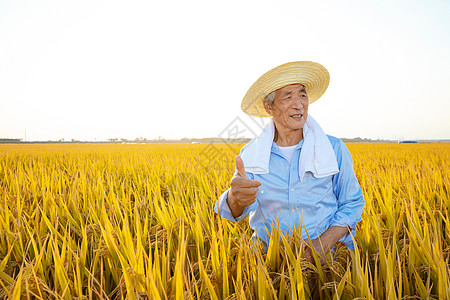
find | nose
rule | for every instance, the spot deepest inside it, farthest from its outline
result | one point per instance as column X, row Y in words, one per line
column 297, row 103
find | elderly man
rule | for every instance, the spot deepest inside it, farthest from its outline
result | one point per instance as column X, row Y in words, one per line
column 293, row 173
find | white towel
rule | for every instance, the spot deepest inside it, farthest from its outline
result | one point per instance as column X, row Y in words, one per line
column 317, row 155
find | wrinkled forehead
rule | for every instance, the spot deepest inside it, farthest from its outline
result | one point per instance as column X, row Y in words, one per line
column 287, row 89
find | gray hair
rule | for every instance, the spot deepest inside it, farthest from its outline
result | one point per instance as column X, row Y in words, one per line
column 269, row 98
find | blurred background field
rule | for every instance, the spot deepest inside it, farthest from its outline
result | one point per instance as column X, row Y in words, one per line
column 137, row 222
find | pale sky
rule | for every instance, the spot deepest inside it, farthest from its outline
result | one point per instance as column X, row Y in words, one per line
column 93, row 70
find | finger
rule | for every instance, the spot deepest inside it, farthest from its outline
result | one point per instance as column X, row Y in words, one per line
column 246, row 183
column 240, row 167
column 247, row 201
column 240, row 198
column 250, row 191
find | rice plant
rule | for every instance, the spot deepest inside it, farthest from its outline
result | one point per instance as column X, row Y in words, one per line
column 137, row 222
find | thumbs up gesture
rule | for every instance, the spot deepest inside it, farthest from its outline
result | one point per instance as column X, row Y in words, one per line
column 243, row 190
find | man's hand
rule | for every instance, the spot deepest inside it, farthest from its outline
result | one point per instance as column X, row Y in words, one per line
column 243, row 190
column 321, row 251
column 323, row 244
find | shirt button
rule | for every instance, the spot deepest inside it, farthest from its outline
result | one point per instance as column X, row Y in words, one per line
column 292, row 190
column 287, row 168
column 262, row 192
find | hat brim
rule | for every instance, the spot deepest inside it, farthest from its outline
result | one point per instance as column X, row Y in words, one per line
column 312, row 75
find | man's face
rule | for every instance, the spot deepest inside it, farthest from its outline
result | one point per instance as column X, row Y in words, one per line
column 289, row 108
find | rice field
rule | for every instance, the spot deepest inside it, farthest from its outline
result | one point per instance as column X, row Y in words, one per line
column 137, row 222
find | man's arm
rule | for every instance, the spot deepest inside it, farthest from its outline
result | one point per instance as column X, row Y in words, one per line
column 350, row 199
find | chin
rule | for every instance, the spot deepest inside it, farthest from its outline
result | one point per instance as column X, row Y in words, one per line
column 298, row 125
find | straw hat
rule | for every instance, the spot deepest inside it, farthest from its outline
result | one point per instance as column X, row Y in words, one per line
column 312, row 75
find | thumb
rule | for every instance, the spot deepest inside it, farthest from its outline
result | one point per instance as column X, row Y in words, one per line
column 240, row 167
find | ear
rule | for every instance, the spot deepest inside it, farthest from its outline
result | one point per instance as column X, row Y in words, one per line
column 268, row 107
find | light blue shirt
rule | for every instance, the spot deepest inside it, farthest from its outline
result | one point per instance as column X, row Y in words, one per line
column 335, row 200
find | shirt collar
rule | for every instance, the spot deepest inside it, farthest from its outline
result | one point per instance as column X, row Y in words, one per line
column 276, row 148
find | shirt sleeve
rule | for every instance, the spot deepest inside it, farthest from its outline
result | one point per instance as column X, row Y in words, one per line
column 349, row 194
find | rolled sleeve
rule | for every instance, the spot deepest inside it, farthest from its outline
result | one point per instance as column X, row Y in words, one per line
column 221, row 207
column 349, row 194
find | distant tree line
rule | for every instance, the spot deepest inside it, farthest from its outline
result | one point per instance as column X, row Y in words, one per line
column 139, row 140
column 10, row 141
column 365, row 140
column 160, row 139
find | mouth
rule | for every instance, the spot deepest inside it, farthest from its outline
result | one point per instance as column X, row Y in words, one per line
column 297, row 116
